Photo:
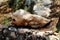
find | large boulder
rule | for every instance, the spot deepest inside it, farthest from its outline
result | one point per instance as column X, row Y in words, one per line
column 42, row 7
column 41, row 10
column 22, row 17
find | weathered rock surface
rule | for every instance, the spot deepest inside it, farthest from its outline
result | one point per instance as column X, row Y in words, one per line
column 41, row 10
column 22, row 17
column 43, row 1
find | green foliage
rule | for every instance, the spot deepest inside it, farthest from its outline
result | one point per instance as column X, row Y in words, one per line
column 6, row 21
column 19, row 4
column 16, row 4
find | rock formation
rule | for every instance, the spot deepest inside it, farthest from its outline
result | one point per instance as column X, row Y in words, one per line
column 22, row 17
